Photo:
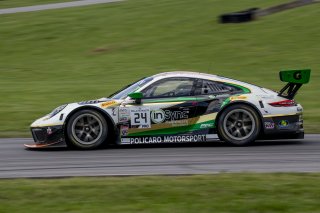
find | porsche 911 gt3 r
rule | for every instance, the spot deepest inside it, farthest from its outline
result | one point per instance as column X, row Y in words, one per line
column 177, row 107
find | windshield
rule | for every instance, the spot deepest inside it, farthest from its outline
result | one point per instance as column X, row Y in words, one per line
column 123, row 93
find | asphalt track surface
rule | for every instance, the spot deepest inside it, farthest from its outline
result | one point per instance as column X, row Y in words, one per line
column 163, row 159
column 54, row 6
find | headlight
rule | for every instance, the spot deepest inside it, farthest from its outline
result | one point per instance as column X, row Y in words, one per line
column 57, row 110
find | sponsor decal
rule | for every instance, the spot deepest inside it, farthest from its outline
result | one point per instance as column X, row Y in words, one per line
column 114, row 111
column 49, row 131
column 184, row 122
column 124, row 114
column 269, row 125
column 240, row 97
column 140, row 116
column 206, row 126
column 176, row 115
column 107, row 104
column 166, row 139
column 283, row 124
column 89, row 102
column 176, row 118
column 124, row 130
column 158, row 116
column 299, row 109
column 297, row 75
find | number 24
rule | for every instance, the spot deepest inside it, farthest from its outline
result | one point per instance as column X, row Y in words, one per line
column 138, row 116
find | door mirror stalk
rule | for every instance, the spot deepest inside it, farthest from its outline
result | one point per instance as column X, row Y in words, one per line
column 136, row 96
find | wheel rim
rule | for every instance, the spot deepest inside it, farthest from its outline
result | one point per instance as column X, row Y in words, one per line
column 239, row 124
column 87, row 129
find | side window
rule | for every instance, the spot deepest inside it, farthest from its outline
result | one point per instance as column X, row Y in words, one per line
column 170, row 87
column 211, row 87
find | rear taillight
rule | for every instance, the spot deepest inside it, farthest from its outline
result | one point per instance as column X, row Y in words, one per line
column 285, row 103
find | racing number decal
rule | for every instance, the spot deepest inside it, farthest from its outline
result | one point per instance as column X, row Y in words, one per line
column 140, row 116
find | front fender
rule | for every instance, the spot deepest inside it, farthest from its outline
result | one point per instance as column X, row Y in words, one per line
column 57, row 120
column 110, row 114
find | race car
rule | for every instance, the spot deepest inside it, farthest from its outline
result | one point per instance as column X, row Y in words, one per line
column 178, row 107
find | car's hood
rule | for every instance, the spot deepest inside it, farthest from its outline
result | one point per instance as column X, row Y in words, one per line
column 100, row 100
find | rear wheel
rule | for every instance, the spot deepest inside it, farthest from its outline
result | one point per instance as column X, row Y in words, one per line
column 239, row 125
column 87, row 129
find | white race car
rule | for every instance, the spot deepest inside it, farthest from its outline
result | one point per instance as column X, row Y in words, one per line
column 177, row 107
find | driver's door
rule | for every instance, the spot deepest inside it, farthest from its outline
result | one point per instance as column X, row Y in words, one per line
column 167, row 108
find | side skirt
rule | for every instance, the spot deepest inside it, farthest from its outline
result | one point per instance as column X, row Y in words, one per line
column 169, row 139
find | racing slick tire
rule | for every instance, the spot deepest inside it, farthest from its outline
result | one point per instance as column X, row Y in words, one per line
column 87, row 129
column 239, row 125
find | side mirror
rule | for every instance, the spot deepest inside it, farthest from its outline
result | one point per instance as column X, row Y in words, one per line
column 137, row 96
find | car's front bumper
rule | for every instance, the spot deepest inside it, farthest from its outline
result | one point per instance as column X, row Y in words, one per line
column 49, row 136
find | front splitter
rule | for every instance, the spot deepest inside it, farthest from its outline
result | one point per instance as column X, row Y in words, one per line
column 57, row 144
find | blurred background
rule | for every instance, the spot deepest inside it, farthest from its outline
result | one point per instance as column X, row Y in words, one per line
column 52, row 57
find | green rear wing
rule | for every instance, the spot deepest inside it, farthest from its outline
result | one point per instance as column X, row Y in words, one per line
column 295, row 79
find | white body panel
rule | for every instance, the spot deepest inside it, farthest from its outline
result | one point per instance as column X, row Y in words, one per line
column 111, row 107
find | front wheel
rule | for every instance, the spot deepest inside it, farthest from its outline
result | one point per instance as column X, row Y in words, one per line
column 87, row 129
column 239, row 125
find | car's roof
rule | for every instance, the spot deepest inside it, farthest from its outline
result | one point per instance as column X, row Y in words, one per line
column 202, row 76
column 184, row 73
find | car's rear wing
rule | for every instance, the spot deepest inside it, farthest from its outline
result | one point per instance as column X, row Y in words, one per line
column 295, row 79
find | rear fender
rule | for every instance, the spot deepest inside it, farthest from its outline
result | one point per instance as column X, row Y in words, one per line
column 245, row 103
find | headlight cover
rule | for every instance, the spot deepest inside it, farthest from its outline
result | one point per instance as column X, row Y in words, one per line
column 57, row 110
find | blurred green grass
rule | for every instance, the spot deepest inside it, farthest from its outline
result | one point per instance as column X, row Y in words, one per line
column 22, row 3
column 238, row 193
column 53, row 57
